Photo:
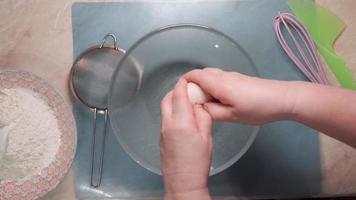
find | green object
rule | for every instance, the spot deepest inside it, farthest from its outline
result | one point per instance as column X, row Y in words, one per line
column 324, row 27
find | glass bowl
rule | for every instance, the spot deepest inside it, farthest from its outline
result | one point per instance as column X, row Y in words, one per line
column 150, row 68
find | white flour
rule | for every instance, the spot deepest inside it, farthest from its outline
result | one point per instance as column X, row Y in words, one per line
column 29, row 134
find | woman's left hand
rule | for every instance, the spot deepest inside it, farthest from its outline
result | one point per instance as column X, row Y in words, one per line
column 186, row 145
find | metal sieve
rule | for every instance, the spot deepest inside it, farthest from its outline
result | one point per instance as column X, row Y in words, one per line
column 90, row 81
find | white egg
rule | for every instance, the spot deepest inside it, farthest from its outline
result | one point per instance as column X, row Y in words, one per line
column 197, row 95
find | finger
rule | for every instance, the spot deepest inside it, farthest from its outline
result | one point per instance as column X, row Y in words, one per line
column 208, row 79
column 203, row 120
column 220, row 112
column 182, row 108
column 166, row 107
column 213, row 70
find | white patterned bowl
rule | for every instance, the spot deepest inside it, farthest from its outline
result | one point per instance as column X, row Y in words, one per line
column 38, row 185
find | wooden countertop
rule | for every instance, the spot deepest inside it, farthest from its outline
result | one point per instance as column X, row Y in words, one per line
column 36, row 35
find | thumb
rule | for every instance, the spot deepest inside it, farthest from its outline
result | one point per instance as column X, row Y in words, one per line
column 203, row 121
column 220, row 112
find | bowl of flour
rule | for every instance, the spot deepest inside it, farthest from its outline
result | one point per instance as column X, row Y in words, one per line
column 37, row 136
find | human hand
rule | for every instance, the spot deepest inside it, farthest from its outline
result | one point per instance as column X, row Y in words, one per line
column 241, row 98
column 185, row 145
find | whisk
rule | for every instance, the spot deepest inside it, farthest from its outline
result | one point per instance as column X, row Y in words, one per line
column 307, row 60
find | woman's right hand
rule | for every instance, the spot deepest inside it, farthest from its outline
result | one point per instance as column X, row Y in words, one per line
column 243, row 99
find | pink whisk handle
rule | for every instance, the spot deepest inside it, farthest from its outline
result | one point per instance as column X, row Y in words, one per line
column 306, row 59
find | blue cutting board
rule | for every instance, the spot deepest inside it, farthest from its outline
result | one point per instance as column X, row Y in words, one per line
column 283, row 161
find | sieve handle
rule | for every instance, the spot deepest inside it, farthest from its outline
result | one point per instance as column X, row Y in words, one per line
column 98, row 181
column 106, row 37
